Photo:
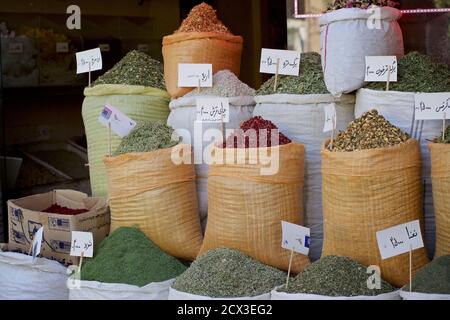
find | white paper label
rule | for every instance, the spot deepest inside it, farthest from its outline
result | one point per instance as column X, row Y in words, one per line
column 121, row 124
column 82, row 242
column 104, row 47
column 62, row 47
column 330, row 117
column 213, row 110
column 143, row 47
column 289, row 62
column 89, row 60
column 295, row 237
column 37, row 242
column 15, row 47
column 191, row 75
column 377, row 69
column 432, row 106
column 399, row 239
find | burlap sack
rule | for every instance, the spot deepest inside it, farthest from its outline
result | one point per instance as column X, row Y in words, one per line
column 368, row 191
column 245, row 208
column 440, row 175
column 221, row 50
column 149, row 191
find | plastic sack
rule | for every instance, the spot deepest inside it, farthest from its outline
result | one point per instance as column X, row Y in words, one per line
column 406, row 295
column 276, row 295
column 178, row 295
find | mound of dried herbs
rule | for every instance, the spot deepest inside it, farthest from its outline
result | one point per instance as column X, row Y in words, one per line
column 128, row 256
column 228, row 273
column 370, row 131
column 362, row 4
column 418, row 73
column 446, row 137
column 203, row 18
column 335, row 277
column 309, row 81
column 434, row 277
column 148, row 136
column 136, row 68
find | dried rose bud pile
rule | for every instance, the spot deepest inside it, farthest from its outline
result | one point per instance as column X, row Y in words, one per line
column 203, row 18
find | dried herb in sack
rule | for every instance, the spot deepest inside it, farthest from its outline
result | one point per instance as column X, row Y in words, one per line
column 203, row 18
column 446, row 137
column 361, row 4
column 434, row 277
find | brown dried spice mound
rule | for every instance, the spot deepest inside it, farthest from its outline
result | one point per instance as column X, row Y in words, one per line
column 203, row 18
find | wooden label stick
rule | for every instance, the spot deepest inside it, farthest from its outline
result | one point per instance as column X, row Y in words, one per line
column 199, row 84
column 388, row 79
column 109, row 139
column 276, row 76
column 410, row 268
column 289, row 269
column 443, row 126
column 222, row 127
column 81, row 262
column 89, row 81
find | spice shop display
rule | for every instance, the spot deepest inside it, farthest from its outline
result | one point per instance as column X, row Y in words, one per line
column 298, row 109
column 335, row 278
column 130, row 91
column 127, row 266
column 369, row 190
column 262, row 187
column 201, row 38
column 152, row 191
column 183, row 116
column 226, row 274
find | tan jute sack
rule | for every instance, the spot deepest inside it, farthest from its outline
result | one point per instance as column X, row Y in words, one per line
column 245, row 208
column 368, row 191
column 149, row 191
column 440, row 177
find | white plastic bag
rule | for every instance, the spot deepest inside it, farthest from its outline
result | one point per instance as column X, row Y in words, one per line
column 398, row 108
column 406, row 295
column 347, row 36
column 93, row 290
column 23, row 279
column 178, row 295
column 301, row 118
column 183, row 115
column 276, row 295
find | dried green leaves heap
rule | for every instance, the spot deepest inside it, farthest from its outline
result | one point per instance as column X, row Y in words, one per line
column 362, row 4
column 310, row 80
column 434, row 277
column 136, row 68
column 446, row 137
column 370, row 131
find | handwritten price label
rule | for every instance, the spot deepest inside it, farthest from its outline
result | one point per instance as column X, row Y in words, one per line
column 330, row 117
column 295, row 237
column 15, row 47
column 289, row 62
column 89, row 60
column 82, row 242
column 432, row 106
column 62, row 47
column 121, row 124
column 377, row 69
column 213, row 110
column 399, row 239
column 191, row 75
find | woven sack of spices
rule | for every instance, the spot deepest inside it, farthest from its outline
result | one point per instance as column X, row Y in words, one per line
column 367, row 191
column 347, row 36
column 301, row 118
column 137, row 102
column 245, row 208
column 440, row 176
column 147, row 190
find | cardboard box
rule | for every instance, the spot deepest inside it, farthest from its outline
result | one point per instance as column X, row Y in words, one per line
column 25, row 218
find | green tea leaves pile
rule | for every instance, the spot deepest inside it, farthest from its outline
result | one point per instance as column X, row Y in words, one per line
column 128, row 257
column 370, row 131
column 136, row 68
column 418, row 73
column 148, row 136
column 310, row 80
column 335, row 277
column 434, row 277
column 203, row 18
column 228, row 273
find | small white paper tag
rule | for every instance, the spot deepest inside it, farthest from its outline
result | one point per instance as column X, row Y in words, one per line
column 62, row 47
column 432, row 106
column 104, row 47
column 121, row 124
column 89, row 60
column 289, row 62
column 82, row 242
column 143, row 47
column 15, row 47
column 37, row 242
column 399, row 239
column 377, row 69
column 295, row 237
column 330, row 117
column 190, row 75
column 213, row 110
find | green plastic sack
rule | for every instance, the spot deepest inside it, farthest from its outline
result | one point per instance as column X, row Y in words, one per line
column 137, row 102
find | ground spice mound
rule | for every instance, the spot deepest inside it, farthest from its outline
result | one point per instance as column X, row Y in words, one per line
column 64, row 210
column 228, row 273
column 128, row 257
column 203, row 18
column 434, row 277
column 335, row 277
column 255, row 133
column 370, row 131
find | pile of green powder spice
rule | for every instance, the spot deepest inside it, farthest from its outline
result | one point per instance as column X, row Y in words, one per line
column 434, row 277
column 370, row 131
column 128, row 257
column 335, row 277
column 136, row 68
column 228, row 273
column 445, row 139
column 148, row 136
column 418, row 73
column 309, row 81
